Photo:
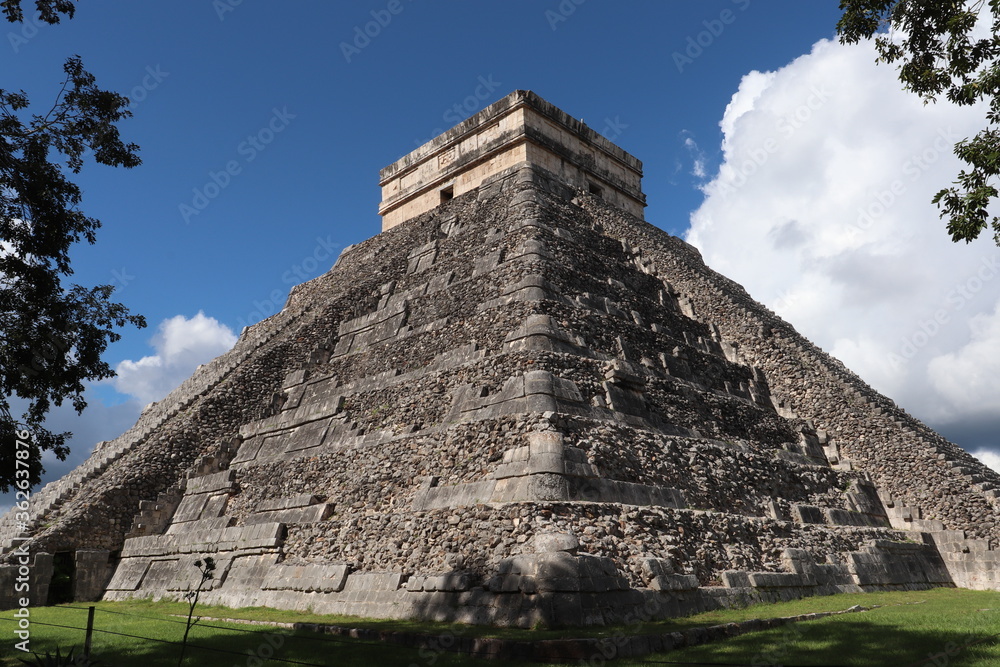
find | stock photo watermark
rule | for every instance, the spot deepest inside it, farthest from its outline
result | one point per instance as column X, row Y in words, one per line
column 955, row 300
column 786, row 126
column 29, row 29
column 248, row 150
column 911, row 170
column 776, row 654
column 152, row 79
column 223, row 7
column 438, row 646
column 697, row 43
column 267, row 650
column 952, row 650
column 364, row 33
column 303, row 270
column 562, row 12
column 121, row 278
column 466, row 107
column 613, row 128
column 22, row 505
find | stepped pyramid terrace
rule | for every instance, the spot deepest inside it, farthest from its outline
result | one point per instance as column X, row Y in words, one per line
column 520, row 404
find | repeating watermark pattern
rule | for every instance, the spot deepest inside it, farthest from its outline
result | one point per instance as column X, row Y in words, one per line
column 609, row 648
column 613, row 128
column 120, row 278
column 439, row 645
column 466, row 107
column 786, row 126
column 22, row 505
column 267, row 650
column 562, row 12
column 223, row 7
column 364, row 33
column 150, row 82
column 29, row 29
column 248, row 150
column 296, row 274
column 696, row 44
column 952, row 650
column 775, row 655
column 911, row 170
column 955, row 300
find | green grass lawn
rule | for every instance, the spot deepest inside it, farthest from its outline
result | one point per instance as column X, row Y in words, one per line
column 939, row 627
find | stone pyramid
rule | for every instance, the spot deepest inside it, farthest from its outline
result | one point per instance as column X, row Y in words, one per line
column 520, row 404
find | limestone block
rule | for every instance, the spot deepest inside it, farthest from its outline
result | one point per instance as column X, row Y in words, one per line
column 518, row 565
column 215, row 506
column 546, row 463
column 373, row 581
column 129, row 574
column 301, row 500
column 160, row 574
column 507, row 490
column 736, row 579
column 319, row 578
column 487, row 263
column 580, row 469
column 187, row 575
column 201, row 525
column 295, row 377
column 949, row 536
column 248, row 450
column 558, row 571
column 807, row 514
column 547, row 487
column 307, row 436
column 545, row 442
column 220, row 481
column 149, row 545
column 309, row 514
column 625, row 400
column 539, row 403
column 505, row 470
column 798, row 561
column 450, row 582
column 539, row 382
column 190, row 508
column 539, row 332
column 551, row 542
column 440, row 282
column 654, row 567
column 259, row 536
column 780, row 579
column 674, row 582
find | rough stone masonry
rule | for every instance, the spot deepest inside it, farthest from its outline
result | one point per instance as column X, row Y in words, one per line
column 520, row 404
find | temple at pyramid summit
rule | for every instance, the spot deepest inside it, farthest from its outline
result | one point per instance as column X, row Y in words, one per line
column 521, row 404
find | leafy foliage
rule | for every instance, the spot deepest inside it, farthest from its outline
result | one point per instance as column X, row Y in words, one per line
column 940, row 54
column 48, row 10
column 51, row 336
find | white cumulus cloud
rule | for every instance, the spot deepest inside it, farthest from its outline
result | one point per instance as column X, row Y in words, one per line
column 990, row 458
column 181, row 344
column 970, row 376
column 821, row 209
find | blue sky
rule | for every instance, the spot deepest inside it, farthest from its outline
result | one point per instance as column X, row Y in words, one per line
column 263, row 127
